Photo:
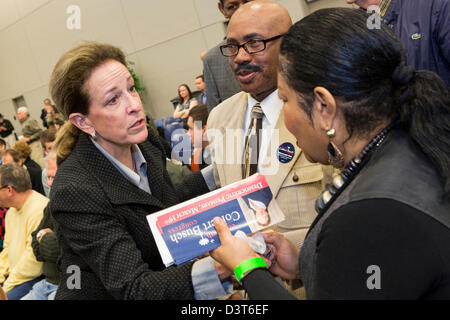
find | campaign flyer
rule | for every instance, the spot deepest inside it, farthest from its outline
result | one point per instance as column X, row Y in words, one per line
column 186, row 231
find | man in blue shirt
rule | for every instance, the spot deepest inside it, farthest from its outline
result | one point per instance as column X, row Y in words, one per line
column 424, row 29
column 200, row 85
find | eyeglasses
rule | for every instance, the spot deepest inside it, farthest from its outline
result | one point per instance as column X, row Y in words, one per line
column 251, row 46
column 3, row 187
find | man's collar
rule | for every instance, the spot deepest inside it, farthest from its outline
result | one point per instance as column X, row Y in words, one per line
column 271, row 106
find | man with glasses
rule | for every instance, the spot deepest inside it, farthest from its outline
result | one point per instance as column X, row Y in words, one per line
column 253, row 41
column 19, row 269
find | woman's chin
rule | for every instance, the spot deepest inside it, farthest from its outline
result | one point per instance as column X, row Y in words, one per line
column 140, row 136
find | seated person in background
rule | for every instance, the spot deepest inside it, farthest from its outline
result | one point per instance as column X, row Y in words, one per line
column 179, row 121
column 53, row 119
column 45, row 246
column 185, row 103
column 2, row 149
column 31, row 134
column 34, row 169
column 7, row 131
column 383, row 225
column 19, row 269
column 200, row 85
column 196, row 123
column 47, row 109
column 47, row 139
column 11, row 155
column 177, row 171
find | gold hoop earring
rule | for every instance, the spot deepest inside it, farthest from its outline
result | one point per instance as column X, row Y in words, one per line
column 331, row 133
column 335, row 157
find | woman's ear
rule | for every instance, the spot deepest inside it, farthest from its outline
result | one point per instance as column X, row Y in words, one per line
column 324, row 108
column 221, row 8
column 82, row 122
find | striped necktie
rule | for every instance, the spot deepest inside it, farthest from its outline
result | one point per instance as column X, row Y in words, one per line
column 253, row 142
column 384, row 5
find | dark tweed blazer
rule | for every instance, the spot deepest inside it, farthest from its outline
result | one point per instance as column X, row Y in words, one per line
column 101, row 224
column 220, row 83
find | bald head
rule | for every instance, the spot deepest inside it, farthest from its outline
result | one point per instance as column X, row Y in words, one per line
column 269, row 14
column 256, row 72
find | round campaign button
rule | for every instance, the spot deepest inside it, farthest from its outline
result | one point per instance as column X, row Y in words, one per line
column 286, row 152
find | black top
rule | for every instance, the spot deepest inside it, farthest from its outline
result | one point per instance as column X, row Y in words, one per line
column 9, row 128
column 47, row 250
column 410, row 248
column 35, row 172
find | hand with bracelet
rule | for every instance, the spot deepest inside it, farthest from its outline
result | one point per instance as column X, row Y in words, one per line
column 236, row 255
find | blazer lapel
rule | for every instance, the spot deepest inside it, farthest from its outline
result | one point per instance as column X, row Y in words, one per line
column 118, row 189
column 274, row 170
column 232, row 133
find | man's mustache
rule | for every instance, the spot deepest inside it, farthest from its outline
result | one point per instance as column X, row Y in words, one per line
column 247, row 67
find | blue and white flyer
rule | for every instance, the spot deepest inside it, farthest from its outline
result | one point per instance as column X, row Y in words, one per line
column 186, row 231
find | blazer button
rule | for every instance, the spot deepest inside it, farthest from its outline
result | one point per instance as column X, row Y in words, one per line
column 295, row 178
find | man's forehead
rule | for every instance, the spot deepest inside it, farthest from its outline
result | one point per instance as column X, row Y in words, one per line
column 251, row 26
column 247, row 29
column 244, row 37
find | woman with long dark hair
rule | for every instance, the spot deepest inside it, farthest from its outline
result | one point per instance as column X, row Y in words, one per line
column 383, row 225
column 185, row 102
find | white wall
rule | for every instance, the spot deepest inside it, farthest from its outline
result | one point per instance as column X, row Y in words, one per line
column 316, row 5
column 163, row 37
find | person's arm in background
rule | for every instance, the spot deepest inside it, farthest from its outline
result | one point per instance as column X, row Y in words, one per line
column 177, row 114
column 46, row 248
column 193, row 103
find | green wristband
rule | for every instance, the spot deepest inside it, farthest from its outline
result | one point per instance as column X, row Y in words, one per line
column 248, row 265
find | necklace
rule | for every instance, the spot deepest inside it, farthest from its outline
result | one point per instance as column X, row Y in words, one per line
column 340, row 182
